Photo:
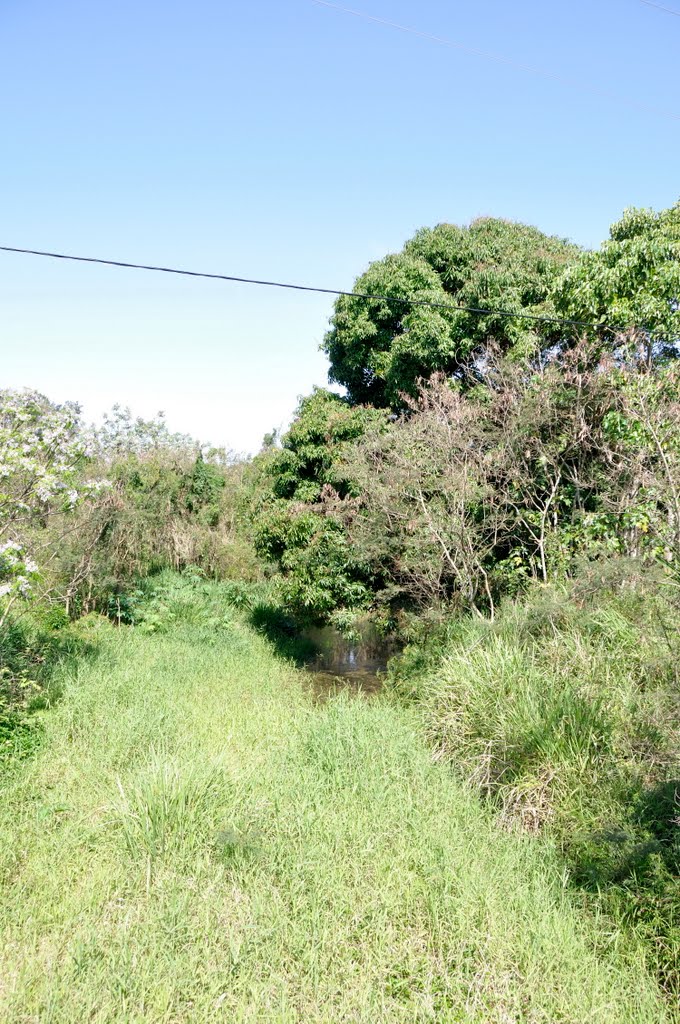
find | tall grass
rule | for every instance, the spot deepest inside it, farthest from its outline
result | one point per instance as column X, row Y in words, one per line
column 564, row 713
column 195, row 840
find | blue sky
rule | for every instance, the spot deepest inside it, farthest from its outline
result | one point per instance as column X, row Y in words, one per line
column 289, row 141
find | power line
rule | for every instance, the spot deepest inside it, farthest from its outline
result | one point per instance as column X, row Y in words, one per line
column 500, row 59
column 660, row 7
column 401, row 300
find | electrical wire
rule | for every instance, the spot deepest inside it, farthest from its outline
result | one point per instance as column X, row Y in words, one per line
column 500, row 59
column 400, row 300
column 660, row 7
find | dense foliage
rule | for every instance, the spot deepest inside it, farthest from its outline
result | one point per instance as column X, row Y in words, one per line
column 631, row 285
column 84, row 516
column 516, row 447
column 378, row 349
column 291, row 528
column 467, row 497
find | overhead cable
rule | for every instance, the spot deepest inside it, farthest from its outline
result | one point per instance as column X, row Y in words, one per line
column 398, row 299
column 660, row 7
column 501, row 59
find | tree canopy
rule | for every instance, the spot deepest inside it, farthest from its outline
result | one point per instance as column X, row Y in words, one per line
column 379, row 348
column 632, row 283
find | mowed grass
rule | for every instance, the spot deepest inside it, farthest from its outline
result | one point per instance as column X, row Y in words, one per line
column 196, row 840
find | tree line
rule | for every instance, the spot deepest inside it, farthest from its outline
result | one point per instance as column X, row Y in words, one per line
column 470, row 453
column 474, row 452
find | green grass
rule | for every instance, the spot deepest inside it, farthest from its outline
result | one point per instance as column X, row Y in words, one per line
column 195, row 840
column 564, row 714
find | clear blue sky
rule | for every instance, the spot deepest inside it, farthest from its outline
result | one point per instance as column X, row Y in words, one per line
column 286, row 140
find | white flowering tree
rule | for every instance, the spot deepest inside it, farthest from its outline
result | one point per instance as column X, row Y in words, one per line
column 42, row 454
column 120, row 433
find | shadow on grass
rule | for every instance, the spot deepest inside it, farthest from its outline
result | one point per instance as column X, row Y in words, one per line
column 636, row 871
column 652, row 834
column 33, row 658
column 283, row 632
column 659, row 812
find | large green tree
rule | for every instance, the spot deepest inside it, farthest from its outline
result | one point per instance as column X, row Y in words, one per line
column 630, row 287
column 379, row 347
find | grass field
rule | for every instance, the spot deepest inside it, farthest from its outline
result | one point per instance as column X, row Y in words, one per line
column 196, row 840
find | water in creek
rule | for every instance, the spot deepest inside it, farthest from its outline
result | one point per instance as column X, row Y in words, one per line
column 338, row 664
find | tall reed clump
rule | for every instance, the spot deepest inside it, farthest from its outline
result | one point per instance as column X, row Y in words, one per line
column 565, row 714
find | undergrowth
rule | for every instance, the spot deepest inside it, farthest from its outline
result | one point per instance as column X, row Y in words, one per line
column 34, row 649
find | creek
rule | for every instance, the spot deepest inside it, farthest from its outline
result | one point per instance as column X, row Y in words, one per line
column 337, row 662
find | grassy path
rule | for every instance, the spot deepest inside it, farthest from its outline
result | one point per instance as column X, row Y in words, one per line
column 195, row 841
